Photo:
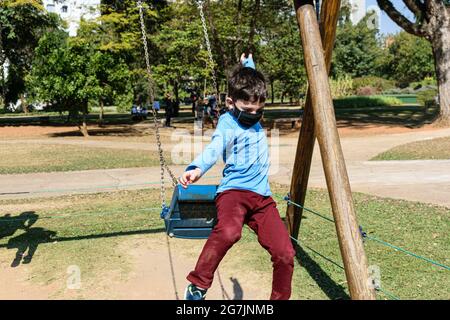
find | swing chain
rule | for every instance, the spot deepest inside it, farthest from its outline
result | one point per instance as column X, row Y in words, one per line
column 162, row 161
column 208, row 45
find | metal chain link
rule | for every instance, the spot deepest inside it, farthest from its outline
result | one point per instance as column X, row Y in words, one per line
column 162, row 160
column 208, row 46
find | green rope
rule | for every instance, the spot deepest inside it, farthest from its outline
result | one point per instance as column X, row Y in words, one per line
column 387, row 244
column 387, row 293
column 86, row 213
column 95, row 188
column 319, row 254
column 377, row 289
column 374, row 238
column 102, row 187
column 311, row 211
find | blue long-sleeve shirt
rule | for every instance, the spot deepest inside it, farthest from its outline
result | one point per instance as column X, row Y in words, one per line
column 245, row 153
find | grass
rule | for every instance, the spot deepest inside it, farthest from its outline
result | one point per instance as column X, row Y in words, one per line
column 434, row 149
column 89, row 229
column 86, row 232
column 367, row 101
column 29, row 157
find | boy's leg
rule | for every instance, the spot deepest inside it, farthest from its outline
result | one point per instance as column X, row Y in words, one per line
column 232, row 206
column 273, row 236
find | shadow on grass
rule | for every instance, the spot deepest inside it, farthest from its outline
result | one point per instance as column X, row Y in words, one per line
column 404, row 116
column 407, row 116
column 124, row 131
column 329, row 287
column 27, row 243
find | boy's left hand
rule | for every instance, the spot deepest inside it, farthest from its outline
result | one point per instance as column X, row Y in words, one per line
column 247, row 62
column 190, row 176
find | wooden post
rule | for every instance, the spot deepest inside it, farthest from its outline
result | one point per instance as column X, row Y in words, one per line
column 305, row 146
column 350, row 240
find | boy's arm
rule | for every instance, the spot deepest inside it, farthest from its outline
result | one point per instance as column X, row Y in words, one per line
column 203, row 162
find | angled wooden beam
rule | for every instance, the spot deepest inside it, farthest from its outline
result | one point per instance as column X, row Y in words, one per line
column 329, row 15
column 347, row 228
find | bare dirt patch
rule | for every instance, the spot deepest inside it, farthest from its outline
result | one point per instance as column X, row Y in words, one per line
column 32, row 131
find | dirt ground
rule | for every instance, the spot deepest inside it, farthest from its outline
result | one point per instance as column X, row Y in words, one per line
column 30, row 131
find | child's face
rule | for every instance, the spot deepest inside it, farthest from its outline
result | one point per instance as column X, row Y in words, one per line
column 246, row 106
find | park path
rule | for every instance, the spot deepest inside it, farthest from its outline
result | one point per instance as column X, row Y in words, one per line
column 419, row 180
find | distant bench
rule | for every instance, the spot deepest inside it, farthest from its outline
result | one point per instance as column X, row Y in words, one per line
column 295, row 122
column 43, row 120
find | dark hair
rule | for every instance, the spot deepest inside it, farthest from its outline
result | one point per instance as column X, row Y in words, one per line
column 247, row 84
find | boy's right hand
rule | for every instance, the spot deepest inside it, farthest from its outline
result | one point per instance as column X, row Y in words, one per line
column 190, row 176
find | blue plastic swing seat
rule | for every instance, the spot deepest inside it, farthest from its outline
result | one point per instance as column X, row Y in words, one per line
column 192, row 213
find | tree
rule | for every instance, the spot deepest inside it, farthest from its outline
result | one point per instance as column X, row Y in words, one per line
column 119, row 32
column 18, row 41
column 357, row 50
column 64, row 74
column 281, row 54
column 182, row 53
column 109, row 67
column 432, row 22
column 409, row 59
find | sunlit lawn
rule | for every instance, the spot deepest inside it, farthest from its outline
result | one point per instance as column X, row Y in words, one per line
column 435, row 149
column 35, row 157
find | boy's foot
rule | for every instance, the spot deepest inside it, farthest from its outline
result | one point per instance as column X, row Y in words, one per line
column 194, row 293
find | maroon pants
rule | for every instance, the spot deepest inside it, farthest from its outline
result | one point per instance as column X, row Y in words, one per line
column 234, row 208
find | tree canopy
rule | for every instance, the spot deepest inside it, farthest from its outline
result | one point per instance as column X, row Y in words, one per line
column 104, row 63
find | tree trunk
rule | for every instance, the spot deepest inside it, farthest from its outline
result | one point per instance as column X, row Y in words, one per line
column 435, row 27
column 271, row 91
column 239, row 32
column 23, row 103
column 100, row 116
column 2, row 70
column 441, row 51
column 84, row 128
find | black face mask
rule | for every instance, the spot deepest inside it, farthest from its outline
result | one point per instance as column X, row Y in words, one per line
column 245, row 118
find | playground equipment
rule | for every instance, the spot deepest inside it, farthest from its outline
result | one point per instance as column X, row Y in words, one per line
column 318, row 121
column 192, row 212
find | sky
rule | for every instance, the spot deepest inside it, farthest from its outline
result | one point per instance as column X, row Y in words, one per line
column 387, row 26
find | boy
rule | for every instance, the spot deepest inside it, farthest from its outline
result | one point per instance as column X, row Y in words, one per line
column 243, row 195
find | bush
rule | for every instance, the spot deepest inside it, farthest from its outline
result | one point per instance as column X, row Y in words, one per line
column 341, row 87
column 427, row 97
column 425, row 83
column 124, row 102
column 366, row 102
column 366, row 91
column 379, row 84
column 399, row 91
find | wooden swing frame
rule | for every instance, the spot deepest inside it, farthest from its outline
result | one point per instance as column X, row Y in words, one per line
column 319, row 121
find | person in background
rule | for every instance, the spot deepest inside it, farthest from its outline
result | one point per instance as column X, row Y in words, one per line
column 156, row 106
column 194, row 99
column 169, row 106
